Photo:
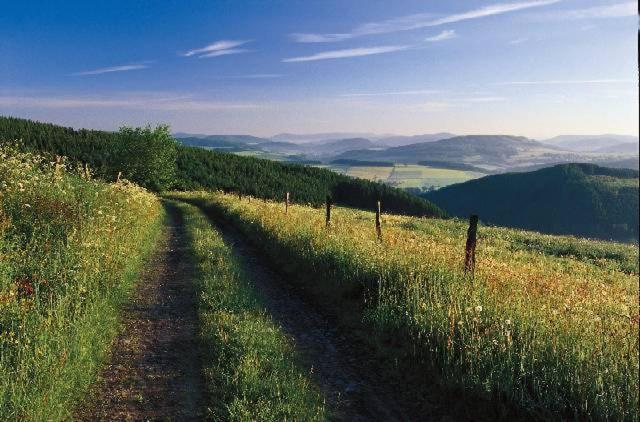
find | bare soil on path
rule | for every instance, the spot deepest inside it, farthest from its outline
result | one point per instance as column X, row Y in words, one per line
column 155, row 367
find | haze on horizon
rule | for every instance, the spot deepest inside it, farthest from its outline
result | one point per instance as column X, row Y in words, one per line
column 537, row 68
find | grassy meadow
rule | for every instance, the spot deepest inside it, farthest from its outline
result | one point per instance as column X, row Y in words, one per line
column 251, row 367
column 408, row 175
column 70, row 249
column 549, row 323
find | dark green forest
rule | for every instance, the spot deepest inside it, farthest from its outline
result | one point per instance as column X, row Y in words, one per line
column 202, row 169
column 152, row 158
column 579, row 199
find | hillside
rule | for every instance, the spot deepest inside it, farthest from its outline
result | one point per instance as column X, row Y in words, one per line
column 109, row 153
column 397, row 141
column 558, row 306
column 486, row 151
column 211, row 170
column 579, row 199
column 588, row 143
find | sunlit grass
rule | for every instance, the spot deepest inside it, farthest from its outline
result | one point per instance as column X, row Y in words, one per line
column 251, row 367
column 70, row 248
column 557, row 334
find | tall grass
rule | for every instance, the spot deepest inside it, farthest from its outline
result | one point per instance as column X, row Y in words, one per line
column 70, row 248
column 555, row 334
column 251, row 367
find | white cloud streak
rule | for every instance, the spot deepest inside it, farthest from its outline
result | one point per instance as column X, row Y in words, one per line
column 444, row 35
column 180, row 103
column 351, row 52
column 258, row 76
column 391, row 93
column 569, row 82
column 417, row 21
column 224, row 52
column 219, row 48
column 123, row 68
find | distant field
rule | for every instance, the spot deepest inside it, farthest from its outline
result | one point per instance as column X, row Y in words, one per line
column 400, row 175
column 408, row 175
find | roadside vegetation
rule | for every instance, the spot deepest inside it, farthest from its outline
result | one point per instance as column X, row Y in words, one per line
column 554, row 334
column 70, row 249
column 151, row 158
column 250, row 365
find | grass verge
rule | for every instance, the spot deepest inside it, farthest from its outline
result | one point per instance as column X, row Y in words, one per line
column 251, row 367
column 557, row 335
column 70, row 250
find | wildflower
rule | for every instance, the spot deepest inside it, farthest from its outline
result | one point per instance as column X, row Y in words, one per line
column 478, row 308
column 507, row 321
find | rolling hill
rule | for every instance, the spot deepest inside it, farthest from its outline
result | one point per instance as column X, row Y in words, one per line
column 199, row 168
column 586, row 143
column 491, row 152
column 398, row 141
column 578, row 199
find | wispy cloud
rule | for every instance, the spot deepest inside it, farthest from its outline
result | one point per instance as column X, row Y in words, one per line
column 225, row 52
column 417, row 21
column 447, row 34
column 123, row 68
column 351, row 52
column 258, row 76
column 568, row 82
column 145, row 102
column 392, row 93
column 219, row 48
column 618, row 10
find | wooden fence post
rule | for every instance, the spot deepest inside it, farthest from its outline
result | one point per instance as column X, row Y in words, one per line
column 328, row 205
column 286, row 203
column 378, row 222
column 56, row 171
column 470, row 249
column 118, row 179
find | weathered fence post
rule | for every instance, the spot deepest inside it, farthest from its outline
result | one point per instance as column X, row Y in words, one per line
column 118, row 178
column 328, row 205
column 286, row 203
column 378, row 222
column 56, row 171
column 470, row 249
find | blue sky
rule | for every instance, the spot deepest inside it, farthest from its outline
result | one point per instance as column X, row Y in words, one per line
column 536, row 68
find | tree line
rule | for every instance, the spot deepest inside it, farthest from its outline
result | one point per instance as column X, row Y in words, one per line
column 152, row 158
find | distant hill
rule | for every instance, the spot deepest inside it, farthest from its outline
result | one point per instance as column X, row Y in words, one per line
column 579, row 199
column 202, row 168
column 587, row 143
column 624, row 148
column 490, row 152
column 319, row 137
column 397, row 141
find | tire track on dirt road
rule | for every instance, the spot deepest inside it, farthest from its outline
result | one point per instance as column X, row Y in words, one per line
column 155, row 368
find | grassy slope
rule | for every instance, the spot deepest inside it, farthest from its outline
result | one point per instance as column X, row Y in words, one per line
column 578, row 199
column 70, row 249
column 557, row 335
column 250, row 365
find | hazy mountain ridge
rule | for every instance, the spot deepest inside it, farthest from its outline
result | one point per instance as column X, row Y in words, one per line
column 591, row 143
column 485, row 151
